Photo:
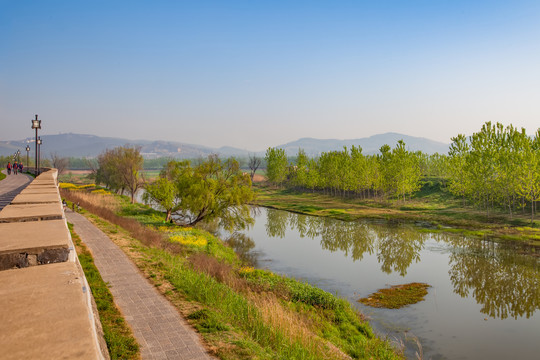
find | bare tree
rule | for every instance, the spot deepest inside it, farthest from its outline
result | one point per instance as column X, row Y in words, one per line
column 58, row 162
column 93, row 165
column 254, row 163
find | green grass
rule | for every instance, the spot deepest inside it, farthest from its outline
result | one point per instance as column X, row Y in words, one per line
column 433, row 206
column 289, row 289
column 120, row 340
column 397, row 296
column 242, row 316
column 225, row 308
column 2, row 176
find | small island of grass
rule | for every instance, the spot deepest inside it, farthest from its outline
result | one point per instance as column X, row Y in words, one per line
column 397, row 296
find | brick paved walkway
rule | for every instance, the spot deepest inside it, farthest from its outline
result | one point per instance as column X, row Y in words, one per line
column 159, row 329
column 11, row 186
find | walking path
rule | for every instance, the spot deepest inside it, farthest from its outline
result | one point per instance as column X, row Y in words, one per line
column 11, row 186
column 159, row 329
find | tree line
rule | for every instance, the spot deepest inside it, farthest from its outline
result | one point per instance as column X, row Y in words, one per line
column 394, row 172
column 496, row 167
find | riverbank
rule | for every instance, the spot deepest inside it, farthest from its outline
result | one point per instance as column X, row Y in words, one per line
column 240, row 312
column 432, row 208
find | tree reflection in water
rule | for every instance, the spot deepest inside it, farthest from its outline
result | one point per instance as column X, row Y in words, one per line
column 243, row 245
column 500, row 277
column 503, row 277
column 396, row 246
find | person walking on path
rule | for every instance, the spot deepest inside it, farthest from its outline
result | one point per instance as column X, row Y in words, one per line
column 159, row 329
column 15, row 168
column 8, row 167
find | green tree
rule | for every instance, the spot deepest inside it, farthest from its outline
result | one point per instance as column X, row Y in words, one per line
column 276, row 165
column 529, row 176
column 213, row 189
column 300, row 173
column 129, row 165
column 163, row 193
column 459, row 176
column 120, row 169
column 107, row 172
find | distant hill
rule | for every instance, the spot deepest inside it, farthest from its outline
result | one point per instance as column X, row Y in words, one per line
column 79, row 145
column 370, row 145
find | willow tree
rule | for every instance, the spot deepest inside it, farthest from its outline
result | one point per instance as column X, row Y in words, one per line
column 163, row 193
column 213, row 189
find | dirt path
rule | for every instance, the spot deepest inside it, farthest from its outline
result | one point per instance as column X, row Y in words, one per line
column 157, row 326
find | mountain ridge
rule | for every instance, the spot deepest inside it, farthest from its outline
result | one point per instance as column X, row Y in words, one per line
column 87, row 145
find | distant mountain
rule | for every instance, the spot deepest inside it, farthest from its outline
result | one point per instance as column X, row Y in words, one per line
column 369, row 145
column 79, row 145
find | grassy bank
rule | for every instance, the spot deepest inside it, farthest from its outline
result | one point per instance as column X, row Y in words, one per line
column 240, row 312
column 433, row 208
column 120, row 340
column 2, row 176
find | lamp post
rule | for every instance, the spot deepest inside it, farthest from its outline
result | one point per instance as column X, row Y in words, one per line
column 18, row 156
column 39, row 142
column 36, row 124
column 27, row 152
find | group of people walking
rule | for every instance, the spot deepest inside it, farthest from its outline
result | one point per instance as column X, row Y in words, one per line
column 16, row 167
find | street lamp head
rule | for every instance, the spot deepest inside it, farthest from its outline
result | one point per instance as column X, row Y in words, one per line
column 39, row 141
column 27, row 147
column 36, row 124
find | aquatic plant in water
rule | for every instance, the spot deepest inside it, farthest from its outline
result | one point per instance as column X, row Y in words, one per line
column 397, row 296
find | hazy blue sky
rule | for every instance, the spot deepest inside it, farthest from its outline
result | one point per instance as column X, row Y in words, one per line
column 254, row 74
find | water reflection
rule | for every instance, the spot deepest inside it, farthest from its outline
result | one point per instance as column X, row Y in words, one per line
column 396, row 246
column 503, row 277
column 243, row 245
column 505, row 282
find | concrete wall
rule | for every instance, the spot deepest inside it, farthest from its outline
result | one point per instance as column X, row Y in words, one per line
column 46, row 307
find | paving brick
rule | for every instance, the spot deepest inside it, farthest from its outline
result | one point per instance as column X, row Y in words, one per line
column 161, row 332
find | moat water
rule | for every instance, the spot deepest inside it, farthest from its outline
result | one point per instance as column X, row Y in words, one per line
column 484, row 297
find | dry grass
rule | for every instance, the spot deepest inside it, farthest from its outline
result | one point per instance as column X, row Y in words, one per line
column 294, row 326
column 105, row 207
column 221, row 271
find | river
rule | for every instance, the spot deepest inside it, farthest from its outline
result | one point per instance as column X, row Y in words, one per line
column 484, row 297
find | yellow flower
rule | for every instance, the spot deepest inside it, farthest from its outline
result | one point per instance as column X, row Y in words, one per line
column 189, row 240
column 101, row 192
column 246, row 270
column 166, row 229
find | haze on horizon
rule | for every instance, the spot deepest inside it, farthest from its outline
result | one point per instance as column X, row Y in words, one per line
column 257, row 74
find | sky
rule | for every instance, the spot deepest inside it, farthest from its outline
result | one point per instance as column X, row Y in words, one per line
column 253, row 74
